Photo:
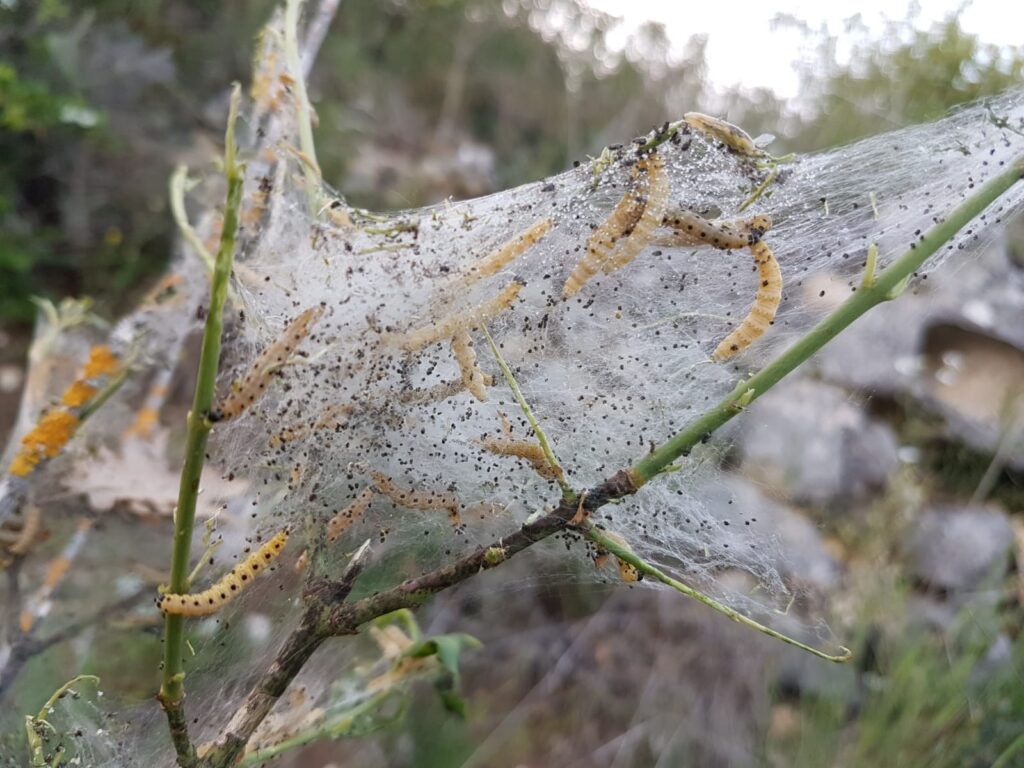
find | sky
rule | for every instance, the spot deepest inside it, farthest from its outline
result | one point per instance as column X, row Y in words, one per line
column 744, row 49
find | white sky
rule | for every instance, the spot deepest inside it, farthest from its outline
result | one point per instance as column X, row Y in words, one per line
column 743, row 48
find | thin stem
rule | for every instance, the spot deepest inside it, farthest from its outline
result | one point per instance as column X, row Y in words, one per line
column 176, row 192
column 598, row 536
column 886, row 286
column 545, row 446
column 291, row 48
column 172, row 689
column 336, row 728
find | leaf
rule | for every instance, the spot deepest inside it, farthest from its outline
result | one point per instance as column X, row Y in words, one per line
column 447, row 649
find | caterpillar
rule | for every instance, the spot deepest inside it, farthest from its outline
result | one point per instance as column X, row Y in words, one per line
column 508, row 252
column 628, row 572
column 472, row 376
column 269, row 362
column 654, row 208
column 338, row 524
column 630, row 214
column 211, row 600
column 734, row 137
column 527, row 450
column 446, row 327
column 766, row 303
column 688, row 228
column 334, row 417
column 410, row 499
column 26, row 538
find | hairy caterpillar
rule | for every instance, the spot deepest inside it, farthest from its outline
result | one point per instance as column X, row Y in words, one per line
column 640, row 235
column 472, row 376
column 26, row 537
column 734, row 137
column 338, row 524
column 211, row 600
column 441, row 391
column 766, row 303
column 627, row 571
column 689, row 228
column 508, row 252
column 446, row 327
column 527, row 450
column 410, row 499
column 639, row 211
column 334, row 417
column 270, row 360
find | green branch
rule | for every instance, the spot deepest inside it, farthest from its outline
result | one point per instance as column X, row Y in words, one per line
column 887, row 285
column 608, row 543
column 172, row 690
column 549, row 454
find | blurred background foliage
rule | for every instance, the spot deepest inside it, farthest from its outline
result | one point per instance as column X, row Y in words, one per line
column 418, row 101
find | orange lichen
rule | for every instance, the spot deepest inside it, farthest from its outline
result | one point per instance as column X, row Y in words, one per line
column 145, row 421
column 45, row 440
column 78, row 394
column 102, row 362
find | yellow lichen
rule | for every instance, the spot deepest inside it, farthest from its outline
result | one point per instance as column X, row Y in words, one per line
column 101, row 362
column 45, row 440
column 78, row 394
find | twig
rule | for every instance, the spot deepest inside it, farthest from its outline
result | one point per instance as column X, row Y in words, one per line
column 567, row 490
column 291, row 49
column 172, row 693
column 607, row 542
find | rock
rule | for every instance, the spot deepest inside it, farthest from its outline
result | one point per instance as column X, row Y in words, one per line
column 959, row 548
column 815, row 444
column 974, row 381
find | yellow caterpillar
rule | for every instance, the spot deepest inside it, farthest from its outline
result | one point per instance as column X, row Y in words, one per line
column 410, row 499
column 766, row 303
column 628, row 228
column 688, row 228
column 734, row 137
column 211, row 600
column 508, row 252
column 446, row 327
column 269, row 362
column 528, row 451
column 338, row 524
column 472, row 377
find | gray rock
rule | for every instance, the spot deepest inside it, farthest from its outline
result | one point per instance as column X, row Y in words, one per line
column 959, row 548
column 815, row 444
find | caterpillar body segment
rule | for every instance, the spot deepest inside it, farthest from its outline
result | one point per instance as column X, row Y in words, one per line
column 448, row 326
column 472, row 377
column 211, row 600
column 690, row 229
column 507, row 253
column 766, row 303
column 412, row 499
column 732, row 136
column 628, row 228
column 338, row 524
column 529, row 451
column 269, row 362
column 639, row 236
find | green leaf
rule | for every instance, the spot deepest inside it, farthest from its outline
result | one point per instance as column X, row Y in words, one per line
column 447, row 649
